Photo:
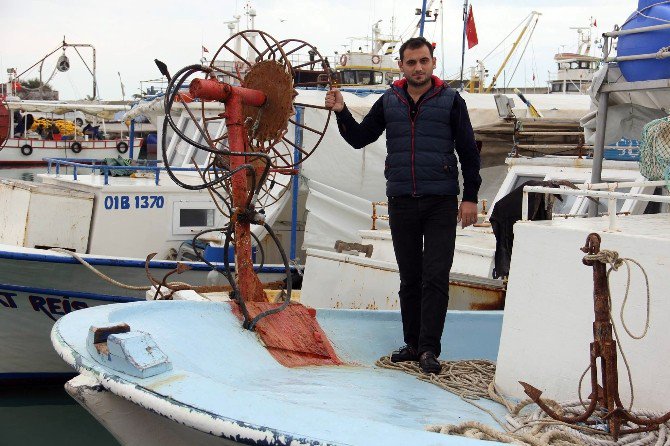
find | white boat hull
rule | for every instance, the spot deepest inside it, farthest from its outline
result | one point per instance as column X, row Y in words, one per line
column 12, row 152
column 131, row 424
column 37, row 288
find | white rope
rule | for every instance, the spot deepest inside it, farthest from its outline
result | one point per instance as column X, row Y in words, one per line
column 474, row 379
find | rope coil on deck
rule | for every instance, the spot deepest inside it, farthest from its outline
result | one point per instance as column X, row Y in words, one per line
column 472, row 380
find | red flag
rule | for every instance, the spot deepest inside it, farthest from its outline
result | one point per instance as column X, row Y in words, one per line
column 595, row 23
column 471, row 30
column 204, row 50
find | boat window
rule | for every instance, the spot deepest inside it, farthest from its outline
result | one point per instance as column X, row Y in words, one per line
column 583, row 65
column 196, row 217
column 654, row 207
column 572, row 87
column 379, row 78
column 189, row 217
column 520, row 179
column 365, row 77
column 602, row 203
column 556, row 87
column 574, row 65
column 348, row 77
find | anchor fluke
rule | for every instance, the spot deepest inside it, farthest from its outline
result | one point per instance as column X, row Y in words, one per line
column 533, row 392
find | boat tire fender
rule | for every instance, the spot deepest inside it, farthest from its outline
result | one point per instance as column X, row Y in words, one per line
column 343, row 59
column 75, row 147
column 376, row 59
column 122, row 147
column 27, row 149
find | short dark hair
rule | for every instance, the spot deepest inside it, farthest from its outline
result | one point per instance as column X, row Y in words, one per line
column 414, row 43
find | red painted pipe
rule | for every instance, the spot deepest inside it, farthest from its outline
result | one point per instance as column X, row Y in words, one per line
column 213, row 90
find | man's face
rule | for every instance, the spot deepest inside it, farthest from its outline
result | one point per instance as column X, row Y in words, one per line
column 417, row 66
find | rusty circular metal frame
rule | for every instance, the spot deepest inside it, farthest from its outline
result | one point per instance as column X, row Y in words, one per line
column 271, row 72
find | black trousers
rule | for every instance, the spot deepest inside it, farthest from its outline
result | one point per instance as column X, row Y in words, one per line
column 424, row 234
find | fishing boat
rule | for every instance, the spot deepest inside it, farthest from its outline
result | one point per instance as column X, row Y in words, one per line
column 158, row 372
column 34, row 124
column 80, row 237
column 21, row 144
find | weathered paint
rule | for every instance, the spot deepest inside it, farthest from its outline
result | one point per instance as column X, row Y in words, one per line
column 230, row 387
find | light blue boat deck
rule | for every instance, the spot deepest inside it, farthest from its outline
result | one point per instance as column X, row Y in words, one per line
column 222, row 370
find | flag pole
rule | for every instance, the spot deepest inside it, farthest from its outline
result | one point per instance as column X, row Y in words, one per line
column 465, row 22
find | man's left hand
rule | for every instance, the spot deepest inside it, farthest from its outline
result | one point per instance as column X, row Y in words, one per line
column 467, row 213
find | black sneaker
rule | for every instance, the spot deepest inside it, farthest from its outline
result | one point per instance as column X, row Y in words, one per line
column 404, row 354
column 429, row 363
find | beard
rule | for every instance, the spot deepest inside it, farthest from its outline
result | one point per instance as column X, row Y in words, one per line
column 413, row 83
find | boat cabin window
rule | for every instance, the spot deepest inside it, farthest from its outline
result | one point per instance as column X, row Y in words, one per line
column 520, row 179
column 602, row 203
column 572, row 87
column 565, row 207
column 362, row 77
column 557, row 87
column 349, row 77
column 584, row 65
column 392, row 77
column 191, row 217
column 196, row 217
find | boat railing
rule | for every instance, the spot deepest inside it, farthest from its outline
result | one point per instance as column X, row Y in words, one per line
column 600, row 190
column 482, row 214
column 97, row 166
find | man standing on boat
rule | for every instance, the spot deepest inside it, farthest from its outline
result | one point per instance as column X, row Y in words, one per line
column 425, row 122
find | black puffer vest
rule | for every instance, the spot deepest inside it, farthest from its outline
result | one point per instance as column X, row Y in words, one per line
column 420, row 157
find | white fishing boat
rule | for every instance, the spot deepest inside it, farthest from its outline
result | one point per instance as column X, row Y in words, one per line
column 158, row 373
column 21, row 145
column 102, row 226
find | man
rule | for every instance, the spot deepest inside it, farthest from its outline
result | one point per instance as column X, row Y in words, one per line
column 424, row 122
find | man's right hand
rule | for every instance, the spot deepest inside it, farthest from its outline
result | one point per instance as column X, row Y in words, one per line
column 334, row 100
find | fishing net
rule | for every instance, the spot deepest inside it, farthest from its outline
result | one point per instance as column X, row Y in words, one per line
column 655, row 151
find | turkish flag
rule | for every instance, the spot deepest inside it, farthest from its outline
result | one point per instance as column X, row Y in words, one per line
column 471, row 30
column 204, row 50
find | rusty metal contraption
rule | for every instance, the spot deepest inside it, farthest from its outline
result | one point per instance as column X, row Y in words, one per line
column 603, row 347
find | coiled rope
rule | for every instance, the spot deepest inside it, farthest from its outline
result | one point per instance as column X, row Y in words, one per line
column 472, row 380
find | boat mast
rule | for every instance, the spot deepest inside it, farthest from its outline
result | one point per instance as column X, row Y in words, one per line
column 511, row 51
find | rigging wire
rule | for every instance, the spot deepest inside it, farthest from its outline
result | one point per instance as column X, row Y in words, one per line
column 528, row 39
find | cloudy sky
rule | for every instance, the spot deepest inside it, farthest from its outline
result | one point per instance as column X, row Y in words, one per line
column 128, row 35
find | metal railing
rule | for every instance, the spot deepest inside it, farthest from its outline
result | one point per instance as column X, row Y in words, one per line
column 596, row 191
column 483, row 214
column 97, row 167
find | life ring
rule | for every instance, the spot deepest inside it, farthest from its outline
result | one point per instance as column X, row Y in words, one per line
column 75, row 147
column 27, row 149
column 122, row 147
column 376, row 59
column 343, row 59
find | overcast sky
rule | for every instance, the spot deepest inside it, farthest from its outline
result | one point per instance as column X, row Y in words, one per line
column 128, row 35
